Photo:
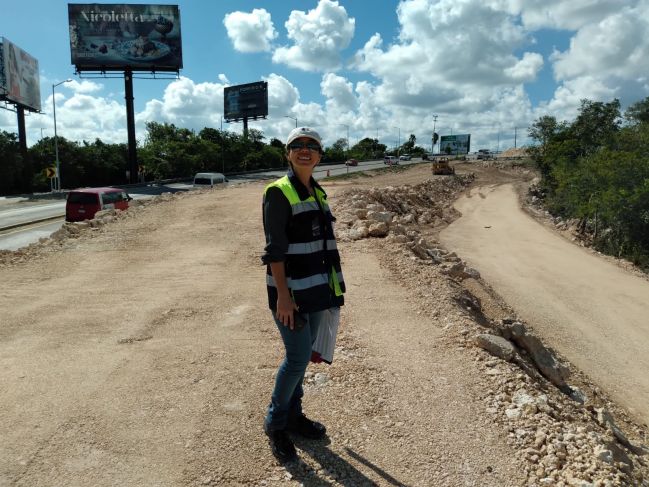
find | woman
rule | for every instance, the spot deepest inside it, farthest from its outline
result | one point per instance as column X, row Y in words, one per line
column 303, row 280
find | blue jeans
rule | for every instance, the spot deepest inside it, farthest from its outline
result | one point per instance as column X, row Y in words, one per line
column 286, row 401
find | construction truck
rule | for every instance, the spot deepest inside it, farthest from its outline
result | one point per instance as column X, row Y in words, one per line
column 441, row 165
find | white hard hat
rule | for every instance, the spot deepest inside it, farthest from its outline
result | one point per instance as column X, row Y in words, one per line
column 298, row 132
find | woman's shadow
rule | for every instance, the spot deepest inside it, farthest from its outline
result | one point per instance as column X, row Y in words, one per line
column 334, row 466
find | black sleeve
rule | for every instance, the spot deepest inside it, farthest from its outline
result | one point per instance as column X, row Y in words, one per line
column 277, row 212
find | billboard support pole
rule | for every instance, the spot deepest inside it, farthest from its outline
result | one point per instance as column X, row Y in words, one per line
column 130, row 126
column 22, row 142
column 245, row 128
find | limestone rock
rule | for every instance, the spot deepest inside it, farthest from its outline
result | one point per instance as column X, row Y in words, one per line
column 380, row 229
column 545, row 360
column 496, row 345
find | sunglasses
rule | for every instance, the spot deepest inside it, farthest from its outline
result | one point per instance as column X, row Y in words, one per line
column 314, row 146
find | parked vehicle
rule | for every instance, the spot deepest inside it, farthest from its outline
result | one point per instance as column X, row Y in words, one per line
column 205, row 179
column 351, row 162
column 83, row 204
column 405, row 157
column 442, row 166
column 390, row 160
column 485, row 154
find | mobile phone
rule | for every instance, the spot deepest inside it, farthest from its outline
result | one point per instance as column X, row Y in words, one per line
column 298, row 320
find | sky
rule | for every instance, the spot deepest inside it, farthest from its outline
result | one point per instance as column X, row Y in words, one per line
column 364, row 68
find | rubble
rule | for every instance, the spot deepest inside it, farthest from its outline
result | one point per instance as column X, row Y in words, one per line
column 562, row 438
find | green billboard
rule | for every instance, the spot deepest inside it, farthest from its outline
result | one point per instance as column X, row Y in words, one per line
column 455, row 144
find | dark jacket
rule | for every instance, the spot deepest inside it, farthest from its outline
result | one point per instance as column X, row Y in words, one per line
column 299, row 232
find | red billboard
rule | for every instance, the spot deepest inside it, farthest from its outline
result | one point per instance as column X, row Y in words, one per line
column 115, row 37
column 19, row 77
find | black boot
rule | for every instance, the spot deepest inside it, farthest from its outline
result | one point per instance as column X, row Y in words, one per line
column 281, row 445
column 303, row 426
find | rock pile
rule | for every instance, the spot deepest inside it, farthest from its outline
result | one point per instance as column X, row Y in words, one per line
column 398, row 212
column 563, row 435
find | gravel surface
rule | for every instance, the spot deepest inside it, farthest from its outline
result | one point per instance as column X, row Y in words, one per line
column 138, row 350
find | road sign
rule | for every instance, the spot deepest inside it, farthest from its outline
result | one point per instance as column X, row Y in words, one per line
column 50, row 172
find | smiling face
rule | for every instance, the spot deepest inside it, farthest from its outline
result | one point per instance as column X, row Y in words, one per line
column 303, row 159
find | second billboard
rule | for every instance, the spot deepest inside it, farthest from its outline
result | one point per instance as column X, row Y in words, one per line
column 245, row 101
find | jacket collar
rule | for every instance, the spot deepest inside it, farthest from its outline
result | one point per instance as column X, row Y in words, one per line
column 302, row 192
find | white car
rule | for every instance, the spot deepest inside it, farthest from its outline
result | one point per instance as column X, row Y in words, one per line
column 208, row 179
column 390, row 160
column 405, row 157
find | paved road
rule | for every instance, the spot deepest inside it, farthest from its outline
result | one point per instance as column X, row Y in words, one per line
column 22, row 211
column 589, row 309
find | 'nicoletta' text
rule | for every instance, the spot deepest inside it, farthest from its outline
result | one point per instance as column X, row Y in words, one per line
column 113, row 16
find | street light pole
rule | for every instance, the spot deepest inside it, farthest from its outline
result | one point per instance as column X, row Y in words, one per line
column 294, row 118
column 399, row 142
column 432, row 149
column 56, row 138
column 347, row 126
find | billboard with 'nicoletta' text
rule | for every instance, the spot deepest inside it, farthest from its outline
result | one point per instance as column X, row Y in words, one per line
column 19, row 78
column 455, row 144
column 114, row 37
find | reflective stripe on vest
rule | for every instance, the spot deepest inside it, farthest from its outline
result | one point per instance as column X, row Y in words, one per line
column 311, row 281
column 310, row 247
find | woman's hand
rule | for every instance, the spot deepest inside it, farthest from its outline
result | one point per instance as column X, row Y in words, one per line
column 285, row 310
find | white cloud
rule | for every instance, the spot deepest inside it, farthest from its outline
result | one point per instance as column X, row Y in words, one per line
column 560, row 14
column 527, row 68
column 615, row 46
column 339, row 93
column 250, row 32
column 567, row 97
column 318, row 37
column 85, row 86
column 186, row 104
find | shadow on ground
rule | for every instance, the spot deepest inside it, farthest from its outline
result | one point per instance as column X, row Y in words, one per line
column 333, row 466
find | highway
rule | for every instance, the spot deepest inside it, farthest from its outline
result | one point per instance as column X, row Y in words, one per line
column 24, row 220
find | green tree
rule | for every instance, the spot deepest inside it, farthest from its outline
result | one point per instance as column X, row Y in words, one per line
column 638, row 112
column 10, row 163
column 597, row 171
column 596, row 125
column 336, row 152
column 409, row 145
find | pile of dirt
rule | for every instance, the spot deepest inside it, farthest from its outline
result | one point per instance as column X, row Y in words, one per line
column 514, row 152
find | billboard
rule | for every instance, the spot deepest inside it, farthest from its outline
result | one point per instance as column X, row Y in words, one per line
column 245, row 101
column 113, row 37
column 455, row 144
column 19, row 78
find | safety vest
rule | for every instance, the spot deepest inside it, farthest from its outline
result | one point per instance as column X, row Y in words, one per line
column 312, row 264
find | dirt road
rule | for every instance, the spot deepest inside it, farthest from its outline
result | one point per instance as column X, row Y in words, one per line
column 589, row 309
column 145, row 353
column 141, row 353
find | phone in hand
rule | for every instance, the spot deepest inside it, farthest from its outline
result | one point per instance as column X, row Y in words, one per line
column 298, row 320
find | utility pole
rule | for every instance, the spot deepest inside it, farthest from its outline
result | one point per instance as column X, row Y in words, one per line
column 498, row 146
column 515, row 137
column 347, row 126
column 399, row 142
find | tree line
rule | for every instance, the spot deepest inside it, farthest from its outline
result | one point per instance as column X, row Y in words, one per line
column 596, row 169
column 167, row 152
